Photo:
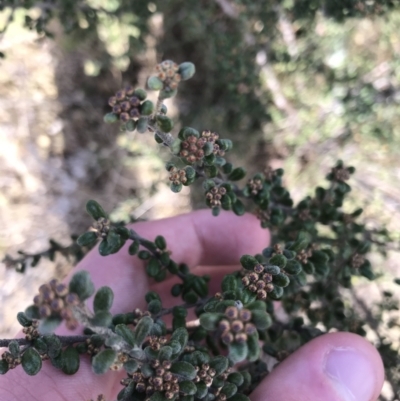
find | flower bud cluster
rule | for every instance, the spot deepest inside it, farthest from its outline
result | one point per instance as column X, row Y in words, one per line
column 91, row 348
column 236, row 327
column 12, row 361
column 125, row 104
column 138, row 314
column 54, row 298
column 255, row 185
column 119, row 361
column 177, row 176
column 303, row 255
column 340, row 173
column 214, row 196
column 219, row 396
column 269, row 173
column 205, row 374
column 168, row 74
column 263, row 215
column 258, row 282
column 31, row 332
column 162, row 381
column 192, row 149
column 212, row 137
column 157, row 342
column 357, row 260
column 102, row 226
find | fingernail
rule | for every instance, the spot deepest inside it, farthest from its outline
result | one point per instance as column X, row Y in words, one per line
column 351, row 374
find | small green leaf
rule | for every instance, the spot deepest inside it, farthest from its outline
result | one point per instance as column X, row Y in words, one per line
column 154, row 306
column 31, row 362
column 184, row 369
column 238, row 208
column 229, row 390
column 164, row 123
column 248, row 262
column 140, row 93
column 281, row 279
column 153, row 267
column 147, row 108
column 3, row 367
column 160, row 242
column 102, row 362
column 110, row 118
column 95, row 210
column 126, row 333
column 143, row 329
column 220, row 364
column 202, row 390
column 142, row 125
column 166, row 94
column 180, row 335
column 23, row 320
column 237, row 352
column 186, row 70
column 13, row 347
column 134, row 248
column 87, row 239
column 209, row 321
column 155, row 84
column 229, row 283
column 54, row 345
column 253, row 347
column 261, row 319
column 293, row 267
column 187, row 387
column 81, row 285
column 131, row 366
column 70, row 360
column 278, row 260
column 236, row 377
column 276, row 293
column 103, row 299
column 165, row 353
column 239, row 397
column 237, row 174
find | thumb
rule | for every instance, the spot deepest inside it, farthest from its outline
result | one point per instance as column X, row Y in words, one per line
column 333, row 367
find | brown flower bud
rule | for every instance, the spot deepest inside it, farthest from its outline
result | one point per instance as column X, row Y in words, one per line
column 57, row 304
column 241, row 337
column 259, row 268
column 120, row 95
column 112, row 101
column 61, row 290
column 124, row 117
column 231, row 312
column 236, row 326
column 245, row 315
column 224, row 325
column 227, row 337
column 250, row 328
column 253, row 277
column 125, row 106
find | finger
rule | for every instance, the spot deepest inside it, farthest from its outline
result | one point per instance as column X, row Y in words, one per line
column 195, row 238
column 333, row 367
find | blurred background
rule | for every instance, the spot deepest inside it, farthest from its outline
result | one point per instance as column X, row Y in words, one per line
column 295, row 84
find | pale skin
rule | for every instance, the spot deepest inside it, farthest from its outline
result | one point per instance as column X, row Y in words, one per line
column 212, row 246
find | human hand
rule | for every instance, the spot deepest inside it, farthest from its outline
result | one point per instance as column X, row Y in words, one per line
column 333, row 367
